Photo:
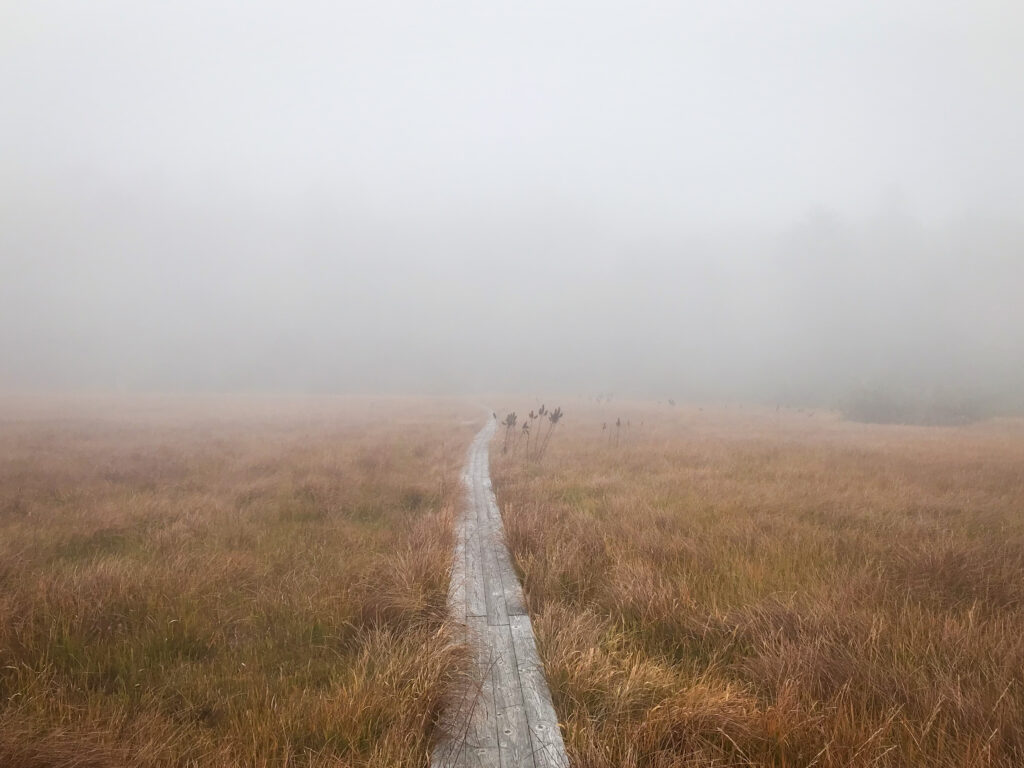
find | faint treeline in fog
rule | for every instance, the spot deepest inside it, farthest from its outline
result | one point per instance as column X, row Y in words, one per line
column 141, row 291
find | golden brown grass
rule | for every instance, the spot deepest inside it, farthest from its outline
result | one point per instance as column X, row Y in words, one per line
column 225, row 582
column 747, row 588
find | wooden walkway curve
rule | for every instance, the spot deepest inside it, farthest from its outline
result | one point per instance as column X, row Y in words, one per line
column 506, row 719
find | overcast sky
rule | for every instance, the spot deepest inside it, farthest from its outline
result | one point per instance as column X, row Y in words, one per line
column 729, row 198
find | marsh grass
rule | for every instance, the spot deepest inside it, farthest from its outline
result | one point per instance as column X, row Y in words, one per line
column 226, row 582
column 735, row 587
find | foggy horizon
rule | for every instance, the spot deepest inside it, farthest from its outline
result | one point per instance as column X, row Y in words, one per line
column 689, row 202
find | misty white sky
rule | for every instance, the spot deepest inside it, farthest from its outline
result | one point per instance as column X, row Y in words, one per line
column 693, row 197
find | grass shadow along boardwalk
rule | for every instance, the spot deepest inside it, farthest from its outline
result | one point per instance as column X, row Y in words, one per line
column 750, row 588
column 226, row 581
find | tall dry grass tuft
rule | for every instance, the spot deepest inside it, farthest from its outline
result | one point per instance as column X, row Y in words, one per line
column 739, row 588
column 554, row 417
column 510, row 424
column 226, row 582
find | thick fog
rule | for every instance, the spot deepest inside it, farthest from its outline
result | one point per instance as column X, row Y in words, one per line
column 718, row 200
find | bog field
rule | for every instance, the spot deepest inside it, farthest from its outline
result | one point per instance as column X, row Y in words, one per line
column 225, row 581
column 741, row 587
column 265, row 581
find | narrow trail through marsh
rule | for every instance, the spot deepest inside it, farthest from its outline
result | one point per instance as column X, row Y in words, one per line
column 506, row 717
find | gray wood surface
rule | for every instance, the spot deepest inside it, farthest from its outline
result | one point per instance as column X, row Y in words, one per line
column 505, row 719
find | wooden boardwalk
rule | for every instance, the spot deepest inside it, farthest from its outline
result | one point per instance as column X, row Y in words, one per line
column 506, row 718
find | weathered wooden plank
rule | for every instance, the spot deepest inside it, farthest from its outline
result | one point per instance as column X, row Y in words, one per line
column 449, row 753
column 494, row 591
column 482, row 732
column 476, row 603
column 482, row 757
column 549, row 749
column 457, row 587
column 513, row 729
column 515, row 603
column 493, row 513
column 480, row 505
